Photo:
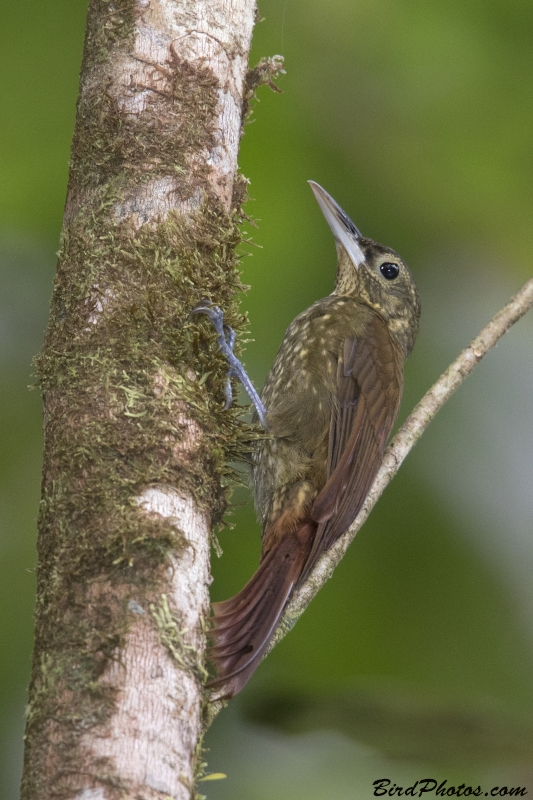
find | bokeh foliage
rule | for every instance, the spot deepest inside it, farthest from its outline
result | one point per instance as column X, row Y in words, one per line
column 417, row 117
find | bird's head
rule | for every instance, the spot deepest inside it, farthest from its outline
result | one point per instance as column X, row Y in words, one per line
column 374, row 274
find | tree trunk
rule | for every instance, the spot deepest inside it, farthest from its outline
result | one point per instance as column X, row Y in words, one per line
column 136, row 438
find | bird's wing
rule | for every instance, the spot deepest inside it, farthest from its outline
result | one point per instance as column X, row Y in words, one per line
column 368, row 392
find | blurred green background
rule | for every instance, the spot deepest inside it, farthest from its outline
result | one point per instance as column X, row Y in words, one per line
column 416, row 660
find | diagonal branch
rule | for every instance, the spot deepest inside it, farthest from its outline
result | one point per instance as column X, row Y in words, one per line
column 404, row 441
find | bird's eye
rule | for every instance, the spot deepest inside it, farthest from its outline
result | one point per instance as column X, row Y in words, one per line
column 389, row 270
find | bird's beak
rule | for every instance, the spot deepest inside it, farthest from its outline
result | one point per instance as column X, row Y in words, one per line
column 342, row 227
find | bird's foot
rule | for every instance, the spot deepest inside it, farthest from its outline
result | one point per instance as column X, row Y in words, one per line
column 226, row 340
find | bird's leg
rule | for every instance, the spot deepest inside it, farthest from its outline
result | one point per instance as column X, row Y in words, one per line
column 226, row 341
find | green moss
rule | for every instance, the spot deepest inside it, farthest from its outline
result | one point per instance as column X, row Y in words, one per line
column 122, row 364
column 266, row 71
column 108, row 24
column 173, row 636
column 179, row 101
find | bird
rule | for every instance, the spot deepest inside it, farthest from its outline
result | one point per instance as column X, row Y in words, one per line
column 328, row 404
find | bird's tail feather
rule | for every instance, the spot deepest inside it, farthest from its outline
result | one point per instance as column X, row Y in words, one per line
column 243, row 625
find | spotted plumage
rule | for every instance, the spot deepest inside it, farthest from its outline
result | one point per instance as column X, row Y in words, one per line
column 331, row 399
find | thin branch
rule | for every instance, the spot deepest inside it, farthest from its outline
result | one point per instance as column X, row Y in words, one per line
column 402, row 443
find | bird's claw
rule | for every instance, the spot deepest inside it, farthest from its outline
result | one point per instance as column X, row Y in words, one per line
column 226, row 338
column 216, row 315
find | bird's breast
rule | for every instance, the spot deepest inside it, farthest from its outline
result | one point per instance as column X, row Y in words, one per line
column 299, row 395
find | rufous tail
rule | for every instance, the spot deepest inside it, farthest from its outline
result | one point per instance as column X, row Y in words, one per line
column 244, row 624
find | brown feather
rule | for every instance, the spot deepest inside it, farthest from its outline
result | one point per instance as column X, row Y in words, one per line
column 240, row 645
column 369, row 387
column 331, row 399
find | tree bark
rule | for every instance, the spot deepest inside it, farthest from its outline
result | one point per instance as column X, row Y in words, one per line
column 136, row 439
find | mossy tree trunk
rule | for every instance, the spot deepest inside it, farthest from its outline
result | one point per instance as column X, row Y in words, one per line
column 136, row 439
